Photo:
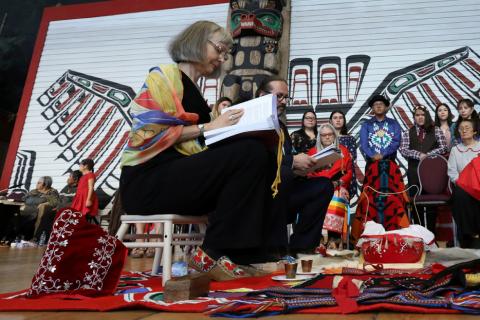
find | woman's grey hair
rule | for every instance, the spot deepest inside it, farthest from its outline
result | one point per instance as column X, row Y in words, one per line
column 47, row 181
column 190, row 44
column 335, row 134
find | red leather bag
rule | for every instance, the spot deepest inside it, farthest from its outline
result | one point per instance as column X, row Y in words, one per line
column 391, row 248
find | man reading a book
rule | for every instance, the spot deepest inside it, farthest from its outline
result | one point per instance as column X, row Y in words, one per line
column 301, row 200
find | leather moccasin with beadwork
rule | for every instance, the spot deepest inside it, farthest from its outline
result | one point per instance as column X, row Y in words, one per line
column 225, row 269
column 221, row 270
column 201, row 261
column 251, row 271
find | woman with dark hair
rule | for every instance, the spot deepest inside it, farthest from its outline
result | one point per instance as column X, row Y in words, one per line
column 339, row 122
column 466, row 209
column 444, row 120
column 222, row 103
column 466, row 110
column 421, row 140
column 306, row 137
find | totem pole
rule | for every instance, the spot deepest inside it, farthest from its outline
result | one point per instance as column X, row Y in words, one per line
column 258, row 50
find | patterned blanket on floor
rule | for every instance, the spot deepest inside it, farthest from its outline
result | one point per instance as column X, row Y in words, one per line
column 452, row 290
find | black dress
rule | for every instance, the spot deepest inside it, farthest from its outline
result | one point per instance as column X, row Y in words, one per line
column 229, row 182
column 301, row 142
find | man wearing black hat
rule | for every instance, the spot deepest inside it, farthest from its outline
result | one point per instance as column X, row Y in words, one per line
column 379, row 136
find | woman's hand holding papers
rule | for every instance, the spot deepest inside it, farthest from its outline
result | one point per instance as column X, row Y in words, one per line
column 228, row 118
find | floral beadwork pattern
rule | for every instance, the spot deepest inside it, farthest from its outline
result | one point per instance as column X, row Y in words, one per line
column 46, row 279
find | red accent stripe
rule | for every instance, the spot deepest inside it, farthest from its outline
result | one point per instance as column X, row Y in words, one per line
column 62, row 86
column 74, row 94
column 87, row 10
column 462, row 77
column 430, row 93
column 74, row 112
column 404, row 116
column 115, row 152
column 426, row 70
column 412, row 98
column 102, row 143
column 95, row 129
column 473, row 64
column 449, row 88
column 86, row 117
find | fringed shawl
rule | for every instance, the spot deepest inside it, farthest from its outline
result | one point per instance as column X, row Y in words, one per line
column 158, row 117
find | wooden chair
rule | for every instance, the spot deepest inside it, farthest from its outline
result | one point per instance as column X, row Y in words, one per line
column 166, row 239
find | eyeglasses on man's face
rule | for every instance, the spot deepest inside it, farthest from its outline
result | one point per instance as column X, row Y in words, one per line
column 282, row 96
column 221, row 49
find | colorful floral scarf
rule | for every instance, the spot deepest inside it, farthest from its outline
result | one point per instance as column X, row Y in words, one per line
column 158, row 117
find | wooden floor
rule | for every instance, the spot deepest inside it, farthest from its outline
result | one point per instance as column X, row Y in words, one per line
column 17, row 267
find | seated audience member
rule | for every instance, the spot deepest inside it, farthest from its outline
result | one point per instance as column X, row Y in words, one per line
column 37, row 201
column 167, row 170
column 305, row 199
column 46, row 218
column 444, row 120
column 340, row 173
column 339, row 122
column 421, row 140
column 222, row 103
column 466, row 209
column 380, row 135
column 306, row 137
column 466, row 110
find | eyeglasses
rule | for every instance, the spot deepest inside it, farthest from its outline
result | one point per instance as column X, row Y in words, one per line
column 310, row 118
column 419, row 107
column 465, row 129
column 324, row 135
column 221, row 50
column 281, row 96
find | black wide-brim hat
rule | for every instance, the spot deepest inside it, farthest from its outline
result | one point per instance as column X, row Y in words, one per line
column 378, row 97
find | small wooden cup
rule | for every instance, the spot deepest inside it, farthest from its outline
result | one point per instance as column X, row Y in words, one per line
column 307, row 265
column 291, row 270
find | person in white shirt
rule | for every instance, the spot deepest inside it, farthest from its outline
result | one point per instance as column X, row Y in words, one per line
column 466, row 209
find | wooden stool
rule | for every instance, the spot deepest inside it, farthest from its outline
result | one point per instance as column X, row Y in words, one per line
column 167, row 238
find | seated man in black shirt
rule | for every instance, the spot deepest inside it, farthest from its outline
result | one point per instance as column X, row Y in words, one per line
column 306, row 199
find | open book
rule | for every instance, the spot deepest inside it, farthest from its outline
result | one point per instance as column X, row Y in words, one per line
column 326, row 156
column 260, row 115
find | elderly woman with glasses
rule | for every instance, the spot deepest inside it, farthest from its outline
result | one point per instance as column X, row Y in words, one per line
column 466, row 209
column 340, row 172
column 166, row 168
column 466, row 110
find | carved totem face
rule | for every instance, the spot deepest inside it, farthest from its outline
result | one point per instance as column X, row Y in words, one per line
column 256, row 27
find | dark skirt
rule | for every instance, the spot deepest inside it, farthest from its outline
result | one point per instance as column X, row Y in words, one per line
column 229, row 182
column 466, row 212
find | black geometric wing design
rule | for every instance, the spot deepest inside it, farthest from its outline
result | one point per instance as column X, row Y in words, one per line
column 446, row 78
column 88, row 118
